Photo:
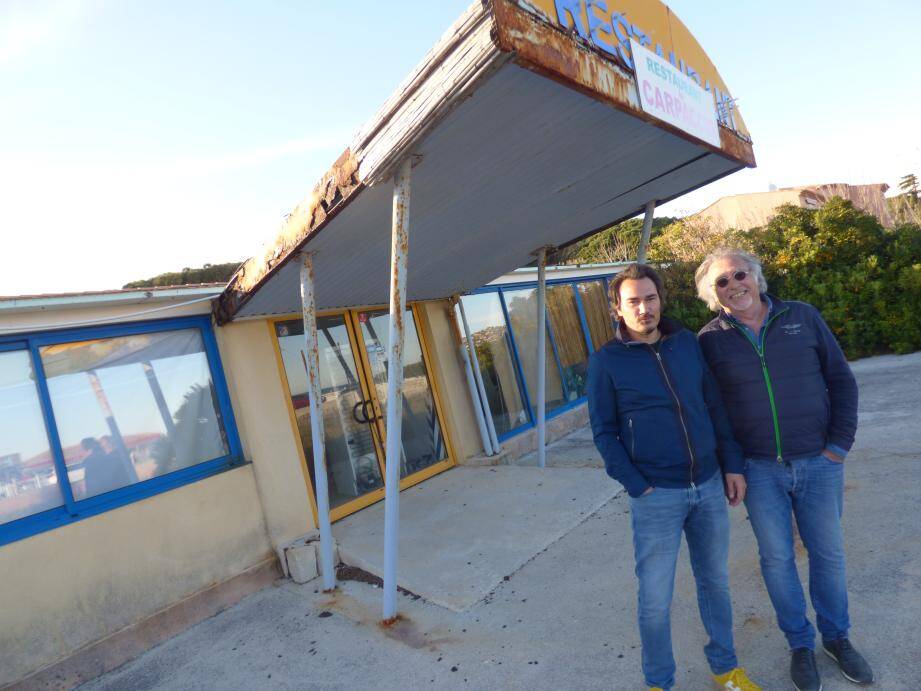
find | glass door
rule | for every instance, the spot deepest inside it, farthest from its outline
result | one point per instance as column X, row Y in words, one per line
column 423, row 448
column 353, row 387
column 350, row 428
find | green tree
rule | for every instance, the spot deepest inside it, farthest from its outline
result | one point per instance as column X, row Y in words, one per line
column 619, row 243
column 865, row 279
column 208, row 273
column 909, row 185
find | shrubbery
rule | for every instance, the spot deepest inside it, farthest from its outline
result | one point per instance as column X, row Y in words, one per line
column 865, row 279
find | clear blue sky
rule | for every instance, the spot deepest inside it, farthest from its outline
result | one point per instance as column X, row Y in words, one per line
column 138, row 137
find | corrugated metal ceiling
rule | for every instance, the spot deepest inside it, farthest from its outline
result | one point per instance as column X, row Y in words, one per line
column 524, row 162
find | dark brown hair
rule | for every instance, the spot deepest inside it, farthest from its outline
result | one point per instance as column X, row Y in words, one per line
column 635, row 272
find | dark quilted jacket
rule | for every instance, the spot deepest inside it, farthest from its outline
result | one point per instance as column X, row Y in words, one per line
column 814, row 391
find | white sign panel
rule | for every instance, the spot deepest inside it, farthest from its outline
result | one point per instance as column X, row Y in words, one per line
column 674, row 97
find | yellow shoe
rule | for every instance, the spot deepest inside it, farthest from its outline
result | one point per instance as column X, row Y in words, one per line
column 735, row 680
column 655, row 688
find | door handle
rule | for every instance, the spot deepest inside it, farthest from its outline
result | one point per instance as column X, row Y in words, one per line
column 364, row 412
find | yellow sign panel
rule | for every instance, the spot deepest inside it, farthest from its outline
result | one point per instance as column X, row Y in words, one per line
column 609, row 25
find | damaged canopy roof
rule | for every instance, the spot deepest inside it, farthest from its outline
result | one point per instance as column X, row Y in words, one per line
column 525, row 129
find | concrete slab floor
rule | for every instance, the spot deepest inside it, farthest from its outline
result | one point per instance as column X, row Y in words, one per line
column 566, row 618
column 463, row 531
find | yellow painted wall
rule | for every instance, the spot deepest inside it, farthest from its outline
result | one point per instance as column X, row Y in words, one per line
column 264, row 424
column 68, row 587
column 451, row 379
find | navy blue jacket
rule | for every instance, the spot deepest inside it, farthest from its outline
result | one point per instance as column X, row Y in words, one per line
column 659, row 423
column 814, row 392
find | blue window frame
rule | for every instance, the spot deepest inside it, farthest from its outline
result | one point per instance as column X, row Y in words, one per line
column 105, row 416
column 554, row 347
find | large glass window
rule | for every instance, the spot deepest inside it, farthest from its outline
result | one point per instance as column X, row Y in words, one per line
column 522, row 313
column 597, row 312
column 142, row 409
column 497, row 367
column 568, row 337
column 132, row 408
column 28, row 479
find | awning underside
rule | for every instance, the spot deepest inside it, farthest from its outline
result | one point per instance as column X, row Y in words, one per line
column 524, row 162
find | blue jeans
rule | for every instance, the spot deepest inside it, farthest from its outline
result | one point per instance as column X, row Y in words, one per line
column 812, row 490
column 658, row 521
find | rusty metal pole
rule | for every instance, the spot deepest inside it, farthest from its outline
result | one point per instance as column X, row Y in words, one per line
column 399, row 250
column 317, row 435
column 647, row 230
column 541, row 357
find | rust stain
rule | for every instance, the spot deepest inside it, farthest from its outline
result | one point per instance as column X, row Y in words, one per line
column 329, row 195
column 753, row 621
column 555, row 54
column 404, row 630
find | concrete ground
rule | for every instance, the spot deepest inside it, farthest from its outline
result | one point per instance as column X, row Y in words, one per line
column 525, row 578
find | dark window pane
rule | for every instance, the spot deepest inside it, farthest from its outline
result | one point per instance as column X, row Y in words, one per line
column 497, row 367
column 28, row 480
column 132, row 408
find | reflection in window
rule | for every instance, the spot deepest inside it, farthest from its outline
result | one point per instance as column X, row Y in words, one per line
column 490, row 338
column 28, row 480
column 133, row 407
column 522, row 313
column 351, row 460
column 423, row 444
column 597, row 312
column 569, row 338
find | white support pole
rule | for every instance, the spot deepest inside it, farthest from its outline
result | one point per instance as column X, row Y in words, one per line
column 647, row 230
column 475, row 397
column 541, row 357
column 309, row 307
column 490, row 426
column 399, row 249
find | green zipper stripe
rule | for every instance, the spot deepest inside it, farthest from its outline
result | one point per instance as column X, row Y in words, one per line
column 759, row 349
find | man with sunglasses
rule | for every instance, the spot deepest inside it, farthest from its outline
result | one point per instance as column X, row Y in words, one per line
column 792, row 402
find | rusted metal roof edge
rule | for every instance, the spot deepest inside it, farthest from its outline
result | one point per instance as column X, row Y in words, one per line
column 466, row 55
column 551, row 52
column 333, row 193
column 466, row 24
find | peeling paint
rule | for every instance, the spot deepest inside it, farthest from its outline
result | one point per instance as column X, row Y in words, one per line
column 553, row 53
column 326, row 199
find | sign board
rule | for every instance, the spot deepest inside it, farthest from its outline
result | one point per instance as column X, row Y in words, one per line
column 674, row 97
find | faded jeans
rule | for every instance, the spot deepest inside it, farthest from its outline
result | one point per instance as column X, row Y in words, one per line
column 658, row 520
column 812, row 491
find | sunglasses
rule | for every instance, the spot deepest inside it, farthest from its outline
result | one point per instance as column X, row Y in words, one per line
column 723, row 281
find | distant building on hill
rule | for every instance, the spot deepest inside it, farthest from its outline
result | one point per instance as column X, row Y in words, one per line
column 746, row 211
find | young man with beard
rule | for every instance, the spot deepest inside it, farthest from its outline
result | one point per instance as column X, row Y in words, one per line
column 658, row 422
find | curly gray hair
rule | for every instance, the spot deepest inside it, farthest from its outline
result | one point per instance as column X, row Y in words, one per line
column 705, row 288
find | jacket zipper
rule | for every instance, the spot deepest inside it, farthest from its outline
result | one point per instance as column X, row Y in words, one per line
column 632, row 439
column 759, row 349
column 684, row 427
